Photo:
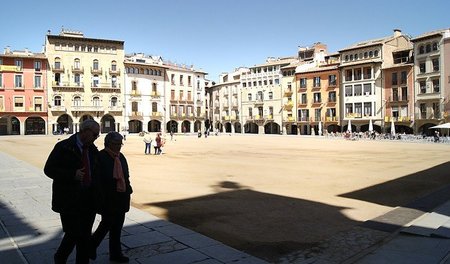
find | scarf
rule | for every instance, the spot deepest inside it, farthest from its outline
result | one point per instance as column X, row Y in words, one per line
column 117, row 171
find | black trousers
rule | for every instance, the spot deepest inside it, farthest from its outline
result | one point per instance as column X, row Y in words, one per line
column 77, row 229
column 112, row 223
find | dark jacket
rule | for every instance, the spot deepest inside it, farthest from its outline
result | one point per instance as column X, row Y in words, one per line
column 113, row 201
column 68, row 194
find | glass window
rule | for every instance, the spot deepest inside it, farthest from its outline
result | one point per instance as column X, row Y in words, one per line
column 367, row 73
column 435, row 64
column 114, row 101
column 331, row 80
column 358, row 74
column 77, row 101
column 348, row 75
column 422, row 68
column 316, row 81
column 317, row 98
column 37, row 65
column 303, row 83
column 18, row 63
column 57, row 100
column 403, row 77
column 348, row 109
column 423, row 87
column 358, row 109
column 18, row 81
column 436, row 88
column 394, row 78
column 348, row 90
column 95, row 65
column 421, row 49
column 76, row 64
column 358, row 89
column 18, row 102
column 367, row 109
column 249, row 96
column 375, row 53
column 270, row 95
column 332, row 97
column 428, row 48
column 96, row 101
column 435, row 46
column 367, row 89
column 1, row 80
column 37, row 81
column 304, row 99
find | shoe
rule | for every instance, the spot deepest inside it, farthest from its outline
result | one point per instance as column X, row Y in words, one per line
column 120, row 259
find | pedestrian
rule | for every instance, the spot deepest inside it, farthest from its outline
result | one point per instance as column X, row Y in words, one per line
column 71, row 165
column 114, row 184
column 158, row 144
column 171, row 135
column 148, row 143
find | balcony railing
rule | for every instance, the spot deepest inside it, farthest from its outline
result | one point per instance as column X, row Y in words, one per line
column 78, row 69
column 11, row 68
column 87, row 108
column 114, row 72
column 155, row 94
column 57, row 108
column 68, row 84
column 96, row 71
column 331, row 118
column 105, row 85
column 58, row 69
column 114, row 108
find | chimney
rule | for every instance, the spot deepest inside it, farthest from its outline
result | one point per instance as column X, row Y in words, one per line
column 7, row 50
column 397, row 32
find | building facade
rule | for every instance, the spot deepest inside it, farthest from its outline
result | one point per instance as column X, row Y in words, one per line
column 23, row 93
column 85, row 81
column 431, row 84
column 362, row 81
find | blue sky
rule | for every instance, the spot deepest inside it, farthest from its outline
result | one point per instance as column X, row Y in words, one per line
column 217, row 35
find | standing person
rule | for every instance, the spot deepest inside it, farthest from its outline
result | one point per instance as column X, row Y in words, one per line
column 158, row 144
column 70, row 165
column 171, row 135
column 114, row 181
column 148, row 143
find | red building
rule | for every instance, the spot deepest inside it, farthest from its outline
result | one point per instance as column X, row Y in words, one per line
column 23, row 93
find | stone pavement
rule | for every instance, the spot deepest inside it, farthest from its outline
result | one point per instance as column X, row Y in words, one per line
column 30, row 231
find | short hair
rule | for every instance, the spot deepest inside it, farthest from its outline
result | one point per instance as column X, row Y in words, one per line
column 112, row 136
column 89, row 124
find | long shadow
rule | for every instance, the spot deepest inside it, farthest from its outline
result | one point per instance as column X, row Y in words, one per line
column 264, row 225
column 414, row 194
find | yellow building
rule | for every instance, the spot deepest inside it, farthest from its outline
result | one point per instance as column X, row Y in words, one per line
column 85, row 81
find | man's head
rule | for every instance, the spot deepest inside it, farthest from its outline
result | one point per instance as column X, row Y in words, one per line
column 113, row 141
column 89, row 131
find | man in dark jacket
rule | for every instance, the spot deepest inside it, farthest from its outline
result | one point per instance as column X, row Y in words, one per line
column 71, row 166
column 114, row 183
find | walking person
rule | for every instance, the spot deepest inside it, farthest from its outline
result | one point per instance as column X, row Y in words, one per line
column 71, row 165
column 158, row 144
column 114, row 182
column 148, row 143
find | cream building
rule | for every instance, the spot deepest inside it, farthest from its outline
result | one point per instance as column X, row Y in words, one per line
column 186, row 99
column 226, row 102
column 261, row 96
column 432, row 86
column 362, row 80
column 144, row 93
column 85, row 81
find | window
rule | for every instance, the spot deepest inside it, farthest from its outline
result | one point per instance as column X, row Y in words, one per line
column 57, row 63
column 367, row 109
column 423, row 110
column 181, row 80
column 421, row 49
column 181, row 95
column 428, row 48
column 332, row 80
column 357, row 74
column 423, row 87
column 76, row 64
column 435, row 64
column 1, row 80
column 375, row 53
column 37, row 65
column 250, row 112
column 366, row 55
column 395, row 111
column 316, row 82
column 249, row 96
column 77, row 101
column 95, row 81
column 348, row 109
column 435, row 45
column 436, row 86
column 394, row 78
column 403, row 77
column 95, row 65
column 367, row 73
column 133, row 87
column 260, row 96
column 154, row 107
column 358, row 109
column 114, row 102
column 18, row 81
column 303, row 83
column 367, row 89
column 422, row 68
column 436, row 110
column 358, row 89
column 404, row 94
column 77, row 79
column 134, row 107
column 189, row 81
column 304, row 114
column 370, row 54
column 348, row 75
column 348, row 90
column 57, row 100
column 317, row 114
column 332, row 97
column 113, row 66
column 270, row 95
column 317, row 98
column 172, row 95
column 172, row 79
column 96, row 101
column 277, row 81
column 19, row 64
column 304, row 99
column 395, row 94
column 37, row 81
column 18, row 102
column 38, row 104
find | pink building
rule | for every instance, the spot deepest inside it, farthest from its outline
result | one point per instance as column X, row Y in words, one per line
column 23, row 93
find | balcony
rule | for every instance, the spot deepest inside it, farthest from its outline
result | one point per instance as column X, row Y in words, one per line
column 96, row 71
column 114, row 108
column 156, row 115
column 114, row 71
column 428, row 116
column 10, row 68
column 59, row 69
column 68, row 85
column 200, row 116
column 105, row 86
column 135, row 93
column 290, row 119
column 301, row 89
column 269, row 117
column 259, row 102
column 77, row 69
column 57, row 108
column 155, row 94
column 289, row 105
column 287, row 92
column 303, row 119
column 136, row 115
column 331, row 118
column 302, row 104
column 87, row 108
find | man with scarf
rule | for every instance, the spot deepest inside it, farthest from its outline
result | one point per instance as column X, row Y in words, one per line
column 115, row 187
column 71, row 165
